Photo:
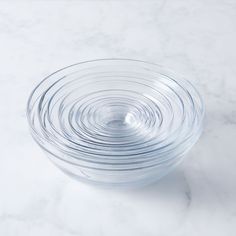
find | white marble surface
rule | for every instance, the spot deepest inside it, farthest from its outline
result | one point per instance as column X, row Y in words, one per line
column 195, row 38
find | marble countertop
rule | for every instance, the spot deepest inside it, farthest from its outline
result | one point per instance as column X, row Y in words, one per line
column 194, row 38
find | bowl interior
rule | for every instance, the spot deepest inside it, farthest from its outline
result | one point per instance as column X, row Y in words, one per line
column 115, row 111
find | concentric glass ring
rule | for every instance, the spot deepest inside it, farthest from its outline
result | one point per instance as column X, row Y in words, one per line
column 115, row 121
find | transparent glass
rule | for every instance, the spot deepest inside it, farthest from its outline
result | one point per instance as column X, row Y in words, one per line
column 115, row 121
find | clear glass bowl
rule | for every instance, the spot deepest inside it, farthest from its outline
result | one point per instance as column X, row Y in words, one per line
column 115, row 121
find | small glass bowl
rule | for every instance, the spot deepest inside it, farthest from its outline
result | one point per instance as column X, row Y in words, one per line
column 115, row 121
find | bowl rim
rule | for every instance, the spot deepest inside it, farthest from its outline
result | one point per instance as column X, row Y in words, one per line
column 180, row 77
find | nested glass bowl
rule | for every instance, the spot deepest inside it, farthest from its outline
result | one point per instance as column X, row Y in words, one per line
column 115, row 121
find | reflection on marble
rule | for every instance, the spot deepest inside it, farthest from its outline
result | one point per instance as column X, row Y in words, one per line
column 194, row 38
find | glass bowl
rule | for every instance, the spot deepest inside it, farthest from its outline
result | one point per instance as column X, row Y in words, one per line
column 115, row 121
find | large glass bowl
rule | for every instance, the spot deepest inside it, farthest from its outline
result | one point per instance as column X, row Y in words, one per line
column 115, row 121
